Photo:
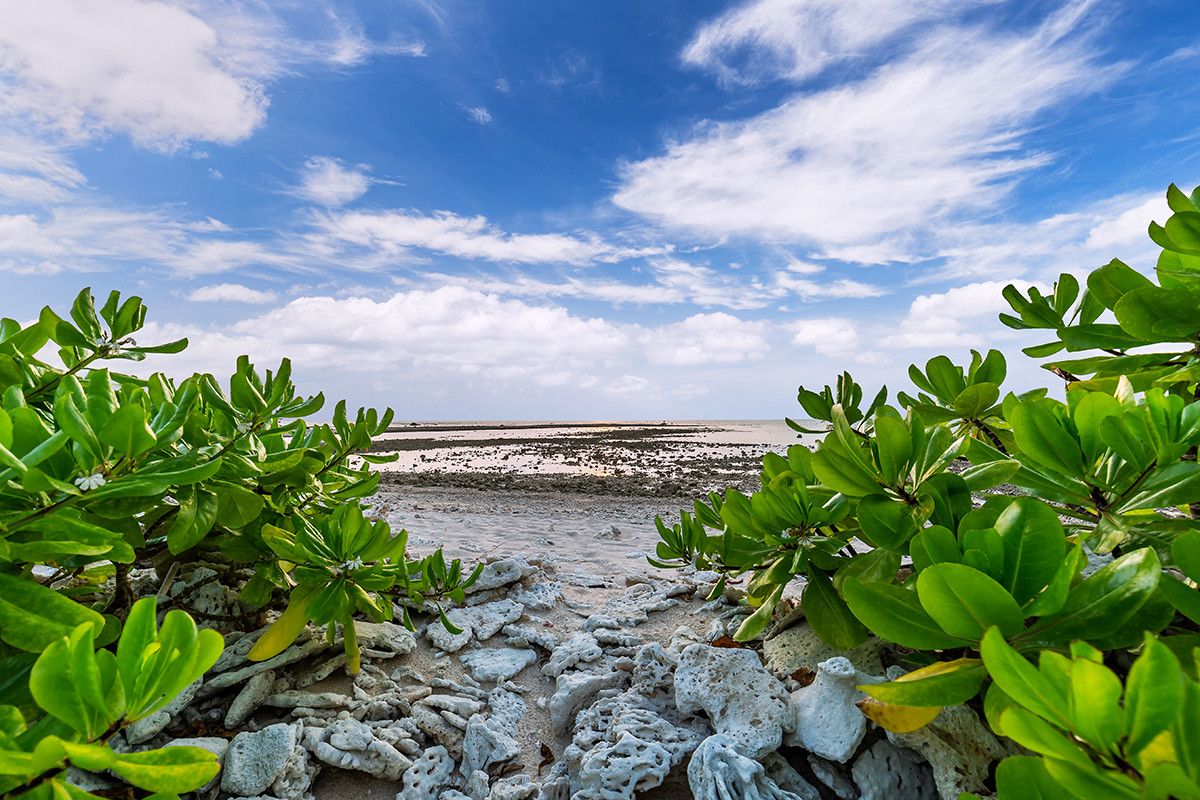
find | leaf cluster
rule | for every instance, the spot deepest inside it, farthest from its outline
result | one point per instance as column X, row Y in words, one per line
column 1092, row 549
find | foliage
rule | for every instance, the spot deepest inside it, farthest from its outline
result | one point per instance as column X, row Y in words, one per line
column 90, row 694
column 100, row 471
column 984, row 591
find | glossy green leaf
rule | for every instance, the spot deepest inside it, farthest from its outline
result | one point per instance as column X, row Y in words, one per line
column 1105, row 600
column 1025, row 778
column 1153, row 694
column 1022, row 681
column 895, row 614
column 1043, row 439
column 965, row 602
column 170, row 769
column 830, row 617
column 886, row 522
column 1186, row 553
column 1034, row 545
column 127, row 432
column 32, row 616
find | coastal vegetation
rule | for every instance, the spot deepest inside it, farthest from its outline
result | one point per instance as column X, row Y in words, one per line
column 1035, row 558
column 101, row 471
column 1065, row 604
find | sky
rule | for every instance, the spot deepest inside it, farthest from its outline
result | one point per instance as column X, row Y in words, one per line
column 680, row 209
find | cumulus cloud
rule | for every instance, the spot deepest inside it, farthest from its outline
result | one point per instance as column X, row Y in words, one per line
column 230, row 293
column 829, row 336
column 164, row 73
column 706, row 339
column 944, row 320
column 329, row 182
column 932, row 134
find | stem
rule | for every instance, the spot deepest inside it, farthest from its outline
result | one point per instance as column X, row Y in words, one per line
column 45, row 387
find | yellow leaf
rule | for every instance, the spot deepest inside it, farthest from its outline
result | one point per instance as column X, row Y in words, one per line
column 1161, row 750
column 897, row 719
column 285, row 629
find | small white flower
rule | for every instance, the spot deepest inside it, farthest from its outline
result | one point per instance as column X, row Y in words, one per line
column 93, row 481
column 243, row 427
column 352, row 564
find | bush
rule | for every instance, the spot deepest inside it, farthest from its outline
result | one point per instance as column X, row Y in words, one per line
column 100, row 471
column 980, row 595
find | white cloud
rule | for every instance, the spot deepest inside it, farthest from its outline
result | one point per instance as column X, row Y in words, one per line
column 479, row 115
column 165, row 73
column 35, row 172
column 394, row 233
column 451, row 335
column 706, row 339
column 502, row 86
column 329, row 182
column 231, row 293
column 929, row 136
column 829, row 336
column 797, row 39
column 943, row 320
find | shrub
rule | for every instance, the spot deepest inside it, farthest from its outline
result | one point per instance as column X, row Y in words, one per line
column 100, row 471
column 980, row 593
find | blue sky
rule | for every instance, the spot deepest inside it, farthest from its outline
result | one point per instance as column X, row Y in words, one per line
column 526, row 210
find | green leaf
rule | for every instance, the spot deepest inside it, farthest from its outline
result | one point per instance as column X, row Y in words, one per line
column 1087, row 780
column 1025, row 777
column 1041, row 437
column 965, row 602
column 895, row 614
column 975, row 399
column 943, row 683
column 237, row 505
column 1186, row 552
column 990, row 475
column 171, row 769
column 830, row 617
column 1022, row 681
column 886, row 522
column 1104, row 601
column 33, row 616
column 126, row 431
column 756, row 623
column 1157, row 314
column 197, row 514
column 1110, row 283
column 1095, row 703
column 1153, row 694
column 1184, row 598
column 1034, row 545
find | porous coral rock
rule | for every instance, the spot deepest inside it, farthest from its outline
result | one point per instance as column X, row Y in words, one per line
column 480, row 622
column 580, row 648
column 461, row 706
column 297, row 652
column 541, row 596
column 683, row 638
column 294, row 698
column 827, row 723
column 654, row 670
column 718, row 771
column 788, row 779
column 634, row 606
column 383, row 639
column 252, row 695
column 254, row 760
column 959, row 749
column 799, row 646
column 148, row 727
column 573, row 691
column 501, row 573
column 618, row 770
column 882, row 772
column 497, row 663
column 531, row 635
column 434, row 725
column 296, row 777
column 742, row 700
column 350, row 744
column 514, row 787
column 428, row 775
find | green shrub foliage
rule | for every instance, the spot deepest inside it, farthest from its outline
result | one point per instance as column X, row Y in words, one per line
column 992, row 599
column 100, row 471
